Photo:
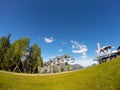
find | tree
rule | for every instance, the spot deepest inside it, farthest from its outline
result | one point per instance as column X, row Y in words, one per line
column 36, row 52
column 18, row 56
column 40, row 61
column 34, row 58
column 4, row 46
column 16, row 51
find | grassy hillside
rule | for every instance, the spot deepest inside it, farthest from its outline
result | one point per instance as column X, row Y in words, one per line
column 101, row 77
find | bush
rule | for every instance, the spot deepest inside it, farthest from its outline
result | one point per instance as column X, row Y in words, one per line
column 68, row 68
column 62, row 69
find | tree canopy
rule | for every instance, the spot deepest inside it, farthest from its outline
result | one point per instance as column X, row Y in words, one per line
column 19, row 56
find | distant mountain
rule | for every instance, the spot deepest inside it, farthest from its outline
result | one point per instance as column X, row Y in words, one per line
column 76, row 66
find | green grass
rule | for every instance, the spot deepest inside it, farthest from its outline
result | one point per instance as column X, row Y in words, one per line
column 101, row 77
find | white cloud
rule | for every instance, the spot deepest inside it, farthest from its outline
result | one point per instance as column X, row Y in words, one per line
column 84, row 55
column 60, row 50
column 78, row 48
column 49, row 40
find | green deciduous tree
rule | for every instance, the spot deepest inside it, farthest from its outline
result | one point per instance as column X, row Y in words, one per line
column 19, row 56
column 36, row 57
column 4, row 46
column 16, row 51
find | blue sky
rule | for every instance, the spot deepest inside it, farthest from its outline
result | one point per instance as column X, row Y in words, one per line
column 63, row 26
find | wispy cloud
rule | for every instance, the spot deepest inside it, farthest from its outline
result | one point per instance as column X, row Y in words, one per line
column 60, row 50
column 84, row 55
column 49, row 40
column 79, row 48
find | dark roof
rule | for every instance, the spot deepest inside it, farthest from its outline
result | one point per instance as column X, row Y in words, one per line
column 106, row 47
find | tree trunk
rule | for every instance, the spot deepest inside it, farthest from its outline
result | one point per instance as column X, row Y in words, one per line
column 17, row 67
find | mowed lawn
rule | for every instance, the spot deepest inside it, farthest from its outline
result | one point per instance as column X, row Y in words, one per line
column 100, row 77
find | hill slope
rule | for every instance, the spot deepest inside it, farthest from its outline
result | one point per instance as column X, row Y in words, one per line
column 101, row 77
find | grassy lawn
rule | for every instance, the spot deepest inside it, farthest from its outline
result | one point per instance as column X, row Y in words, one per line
column 101, row 77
